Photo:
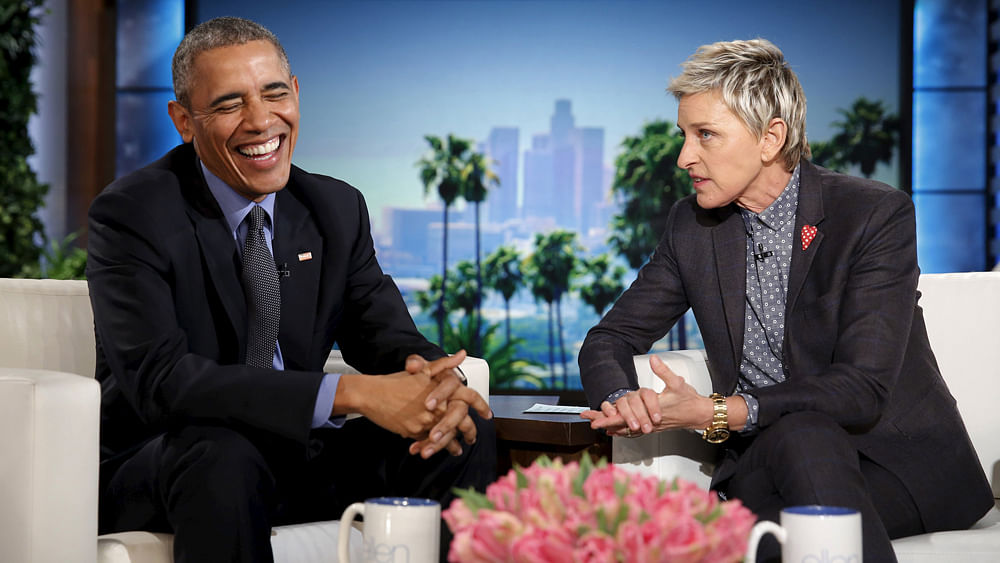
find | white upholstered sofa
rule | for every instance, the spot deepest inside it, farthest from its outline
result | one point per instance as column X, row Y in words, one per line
column 962, row 312
column 49, row 424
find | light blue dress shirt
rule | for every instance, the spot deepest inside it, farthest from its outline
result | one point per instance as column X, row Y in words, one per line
column 235, row 208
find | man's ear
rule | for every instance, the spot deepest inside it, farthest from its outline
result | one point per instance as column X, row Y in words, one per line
column 773, row 139
column 182, row 120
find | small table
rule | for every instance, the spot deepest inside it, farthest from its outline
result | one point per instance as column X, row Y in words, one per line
column 521, row 437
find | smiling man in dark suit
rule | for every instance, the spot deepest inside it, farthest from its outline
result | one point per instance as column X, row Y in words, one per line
column 804, row 286
column 221, row 276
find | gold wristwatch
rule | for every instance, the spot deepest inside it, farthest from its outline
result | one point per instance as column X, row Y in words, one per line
column 718, row 431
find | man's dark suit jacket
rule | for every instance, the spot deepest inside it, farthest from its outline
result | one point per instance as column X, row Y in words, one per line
column 170, row 313
column 855, row 344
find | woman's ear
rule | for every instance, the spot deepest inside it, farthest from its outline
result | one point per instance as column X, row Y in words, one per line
column 773, row 139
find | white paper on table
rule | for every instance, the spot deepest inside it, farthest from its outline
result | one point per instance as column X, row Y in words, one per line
column 555, row 409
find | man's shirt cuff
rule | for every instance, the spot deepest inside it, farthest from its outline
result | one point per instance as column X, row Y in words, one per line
column 324, row 403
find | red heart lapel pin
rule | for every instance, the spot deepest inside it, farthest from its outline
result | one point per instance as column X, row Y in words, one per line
column 808, row 234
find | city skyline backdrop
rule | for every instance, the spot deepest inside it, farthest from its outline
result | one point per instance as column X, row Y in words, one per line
column 558, row 85
column 375, row 77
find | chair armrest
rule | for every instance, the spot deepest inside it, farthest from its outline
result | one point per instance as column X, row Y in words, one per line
column 476, row 371
column 671, row 453
column 692, row 365
column 49, row 436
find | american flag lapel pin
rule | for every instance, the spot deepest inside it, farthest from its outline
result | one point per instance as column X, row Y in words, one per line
column 303, row 256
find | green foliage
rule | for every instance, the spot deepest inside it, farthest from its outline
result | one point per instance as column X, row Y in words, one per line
column 474, row 500
column 432, row 302
column 461, row 297
column 550, row 271
column 21, row 194
column 506, row 370
column 827, row 155
column 503, row 271
column 602, row 284
column 867, row 135
column 648, row 182
column 554, row 263
column 64, row 260
column 440, row 169
column 455, row 170
column 464, row 292
column 479, row 178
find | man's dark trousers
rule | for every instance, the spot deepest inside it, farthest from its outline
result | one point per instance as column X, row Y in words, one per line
column 220, row 490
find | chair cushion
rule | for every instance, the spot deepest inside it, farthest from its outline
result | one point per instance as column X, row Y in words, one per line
column 48, row 325
column 315, row 542
column 979, row 544
column 48, row 465
column 962, row 324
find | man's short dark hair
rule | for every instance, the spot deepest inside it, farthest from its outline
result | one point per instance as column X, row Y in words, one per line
column 212, row 34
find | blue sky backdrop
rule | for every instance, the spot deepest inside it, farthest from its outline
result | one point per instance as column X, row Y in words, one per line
column 377, row 76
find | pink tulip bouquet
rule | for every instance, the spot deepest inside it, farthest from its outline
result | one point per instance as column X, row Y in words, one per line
column 550, row 512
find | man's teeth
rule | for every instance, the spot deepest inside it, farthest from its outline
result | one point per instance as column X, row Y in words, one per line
column 258, row 150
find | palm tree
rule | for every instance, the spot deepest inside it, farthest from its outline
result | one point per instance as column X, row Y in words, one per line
column 506, row 370
column 542, row 292
column 479, row 179
column 555, row 259
column 604, row 283
column 503, row 274
column 867, row 136
column 462, row 296
column 441, row 169
column 648, row 182
column 464, row 293
column 827, row 155
column 431, row 301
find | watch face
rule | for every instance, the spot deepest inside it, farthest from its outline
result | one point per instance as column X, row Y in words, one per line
column 717, row 435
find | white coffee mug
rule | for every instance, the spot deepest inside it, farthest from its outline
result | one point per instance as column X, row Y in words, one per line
column 396, row 530
column 813, row 534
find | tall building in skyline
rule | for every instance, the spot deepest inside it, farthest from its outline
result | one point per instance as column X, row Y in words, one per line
column 565, row 177
column 561, row 124
column 590, row 176
column 564, row 159
column 539, row 195
column 502, row 147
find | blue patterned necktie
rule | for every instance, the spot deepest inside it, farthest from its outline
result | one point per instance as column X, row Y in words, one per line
column 260, row 283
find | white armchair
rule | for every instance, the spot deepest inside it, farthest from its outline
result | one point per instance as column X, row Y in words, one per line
column 962, row 312
column 49, row 439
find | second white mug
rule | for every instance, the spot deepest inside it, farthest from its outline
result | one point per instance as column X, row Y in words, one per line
column 396, row 529
column 813, row 534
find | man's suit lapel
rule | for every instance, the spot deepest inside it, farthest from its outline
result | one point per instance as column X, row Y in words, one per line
column 217, row 246
column 729, row 243
column 809, row 212
column 298, row 251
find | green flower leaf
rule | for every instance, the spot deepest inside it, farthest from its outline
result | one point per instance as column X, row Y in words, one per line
column 473, row 499
column 602, row 522
column 711, row 516
column 522, row 479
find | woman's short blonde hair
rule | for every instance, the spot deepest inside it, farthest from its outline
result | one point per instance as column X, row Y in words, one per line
column 756, row 83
